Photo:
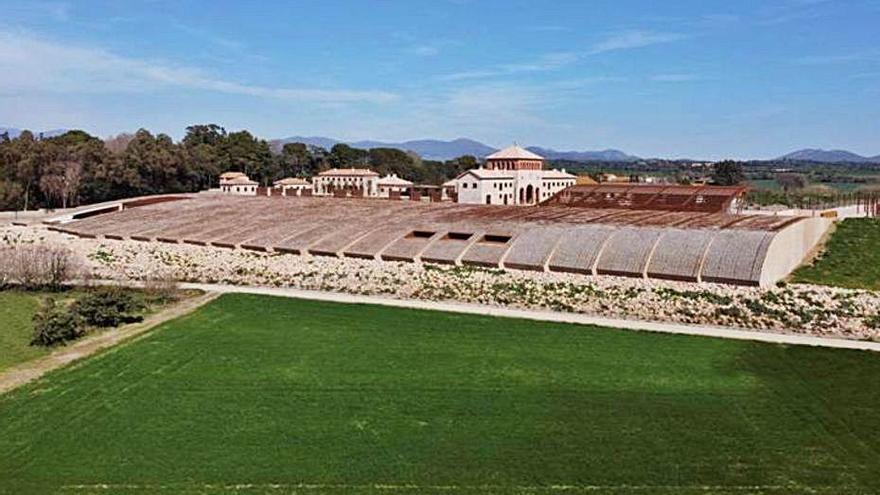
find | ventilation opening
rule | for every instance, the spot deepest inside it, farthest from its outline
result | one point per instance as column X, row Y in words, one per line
column 458, row 236
column 495, row 239
column 420, row 234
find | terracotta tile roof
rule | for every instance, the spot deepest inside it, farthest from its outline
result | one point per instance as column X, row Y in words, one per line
column 231, row 175
column 292, row 181
column 240, row 181
column 514, row 152
column 357, row 172
column 393, row 180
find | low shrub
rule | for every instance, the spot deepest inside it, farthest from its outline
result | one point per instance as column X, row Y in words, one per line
column 37, row 266
column 161, row 290
column 108, row 307
column 55, row 324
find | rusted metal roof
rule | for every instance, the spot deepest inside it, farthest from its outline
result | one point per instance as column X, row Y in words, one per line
column 708, row 199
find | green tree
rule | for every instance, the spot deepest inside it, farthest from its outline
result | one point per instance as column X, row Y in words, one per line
column 296, row 160
column 344, row 156
column 728, row 173
column 245, row 153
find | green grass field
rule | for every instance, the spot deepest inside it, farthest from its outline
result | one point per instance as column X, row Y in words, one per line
column 16, row 311
column 851, row 258
column 261, row 395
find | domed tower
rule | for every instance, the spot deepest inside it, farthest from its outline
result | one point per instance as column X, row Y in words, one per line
column 514, row 158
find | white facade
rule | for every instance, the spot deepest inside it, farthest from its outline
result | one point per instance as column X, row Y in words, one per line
column 392, row 183
column 292, row 186
column 237, row 183
column 347, row 179
column 512, row 176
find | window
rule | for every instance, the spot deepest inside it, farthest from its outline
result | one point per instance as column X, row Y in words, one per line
column 420, row 234
column 458, row 236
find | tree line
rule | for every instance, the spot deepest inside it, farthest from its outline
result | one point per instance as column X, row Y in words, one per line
column 78, row 168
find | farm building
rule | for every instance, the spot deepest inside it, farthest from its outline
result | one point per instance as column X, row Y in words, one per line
column 237, row 183
column 355, row 181
column 512, row 176
column 392, row 185
column 677, row 244
column 292, row 186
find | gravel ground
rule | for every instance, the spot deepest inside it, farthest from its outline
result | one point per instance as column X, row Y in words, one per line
column 794, row 308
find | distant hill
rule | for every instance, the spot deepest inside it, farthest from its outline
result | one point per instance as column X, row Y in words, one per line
column 829, row 156
column 14, row 132
column 584, row 156
column 434, row 149
column 321, row 142
column 430, row 149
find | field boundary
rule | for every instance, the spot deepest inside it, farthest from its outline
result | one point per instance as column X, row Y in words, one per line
column 26, row 372
column 545, row 315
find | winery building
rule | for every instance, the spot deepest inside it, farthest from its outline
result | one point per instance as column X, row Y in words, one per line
column 512, row 176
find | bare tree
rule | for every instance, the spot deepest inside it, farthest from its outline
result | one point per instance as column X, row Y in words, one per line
column 6, row 275
column 61, row 184
column 119, row 143
column 52, row 186
column 72, row 181
column 35, row 266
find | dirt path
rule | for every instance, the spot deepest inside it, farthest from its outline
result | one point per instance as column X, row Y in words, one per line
column 27, row 372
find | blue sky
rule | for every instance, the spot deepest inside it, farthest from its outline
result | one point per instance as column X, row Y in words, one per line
column 704, row 79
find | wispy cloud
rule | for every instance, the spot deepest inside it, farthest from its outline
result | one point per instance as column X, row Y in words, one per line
column 625, row 40
column 425, row 50
column 546, row 62
column 673, row 78
column 628, row 40
column 790, row 11
column 842, row 58
column 205, row 35
column 547, row 28
column 54, row 10
column 32, row 64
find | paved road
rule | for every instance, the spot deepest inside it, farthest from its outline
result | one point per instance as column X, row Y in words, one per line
column 546, row 315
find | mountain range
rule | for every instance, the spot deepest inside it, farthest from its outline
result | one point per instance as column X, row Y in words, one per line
column 830, row 156
column 14, row 133
column 433, row 149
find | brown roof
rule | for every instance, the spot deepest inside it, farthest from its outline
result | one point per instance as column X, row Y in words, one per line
column 231, row 175
column 710, row 199
column 292, row 181
column 240, row 181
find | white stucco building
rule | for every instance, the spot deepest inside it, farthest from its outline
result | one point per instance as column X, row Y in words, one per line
column 292, row 186
column 392, row 183
column 347, row 179
column 237, row 183
column 512, row 176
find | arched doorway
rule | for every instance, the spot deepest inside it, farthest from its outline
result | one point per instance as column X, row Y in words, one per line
column 522, row 195
column 529, row 194
column 488, row 199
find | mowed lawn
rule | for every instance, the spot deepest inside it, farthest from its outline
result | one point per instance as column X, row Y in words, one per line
column 851, row 258
column 16, row 327
column 254, row 394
